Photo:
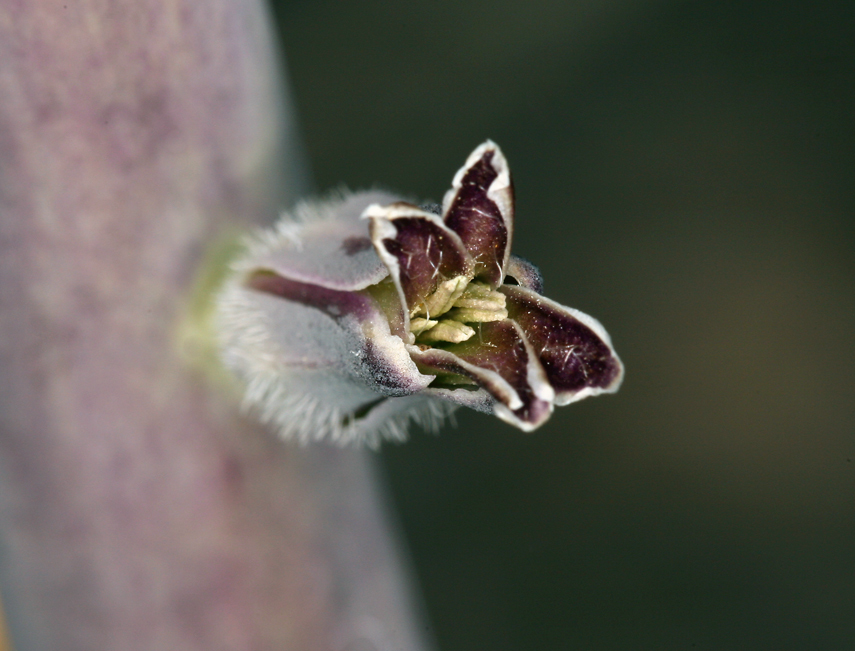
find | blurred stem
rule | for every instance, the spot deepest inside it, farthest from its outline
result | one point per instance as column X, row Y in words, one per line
column 138, row 510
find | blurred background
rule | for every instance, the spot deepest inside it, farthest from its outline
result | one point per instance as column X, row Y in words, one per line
column 684, row 173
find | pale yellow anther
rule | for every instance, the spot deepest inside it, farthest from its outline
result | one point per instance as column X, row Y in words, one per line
column 467, row 315
column 420, row 325
column 459, row 301
column 442, row 299
column 479, row 304
column 447, row 330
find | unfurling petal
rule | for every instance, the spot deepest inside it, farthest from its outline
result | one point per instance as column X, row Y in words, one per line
column 480, row 208
column 575, row 350
column 500, row 360
column 427, row 260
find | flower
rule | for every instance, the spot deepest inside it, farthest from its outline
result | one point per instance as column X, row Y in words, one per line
column 363, row 312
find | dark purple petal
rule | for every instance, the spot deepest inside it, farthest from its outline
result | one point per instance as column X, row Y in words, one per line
column 573, row 348
column 499, row 359
column 480, row 208
column 524, row 273
column 334, row 303
column 439, row 361
column 419, row 249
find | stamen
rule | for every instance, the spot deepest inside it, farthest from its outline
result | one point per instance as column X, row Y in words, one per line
column 442, row 299
column 459, row 302
column 420, row 325
column 479, row 304
column 447, row 330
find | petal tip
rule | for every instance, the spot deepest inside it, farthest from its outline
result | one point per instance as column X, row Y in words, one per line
column 479, row 207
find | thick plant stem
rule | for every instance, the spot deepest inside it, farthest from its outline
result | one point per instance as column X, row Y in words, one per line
column 138, row 510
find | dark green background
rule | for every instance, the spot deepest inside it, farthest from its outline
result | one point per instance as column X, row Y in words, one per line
column 685, row 172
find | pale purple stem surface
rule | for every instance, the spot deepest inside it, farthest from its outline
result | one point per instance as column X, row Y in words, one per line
column 138, row 510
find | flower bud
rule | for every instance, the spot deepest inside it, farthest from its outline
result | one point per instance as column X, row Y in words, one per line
column 361, row 313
